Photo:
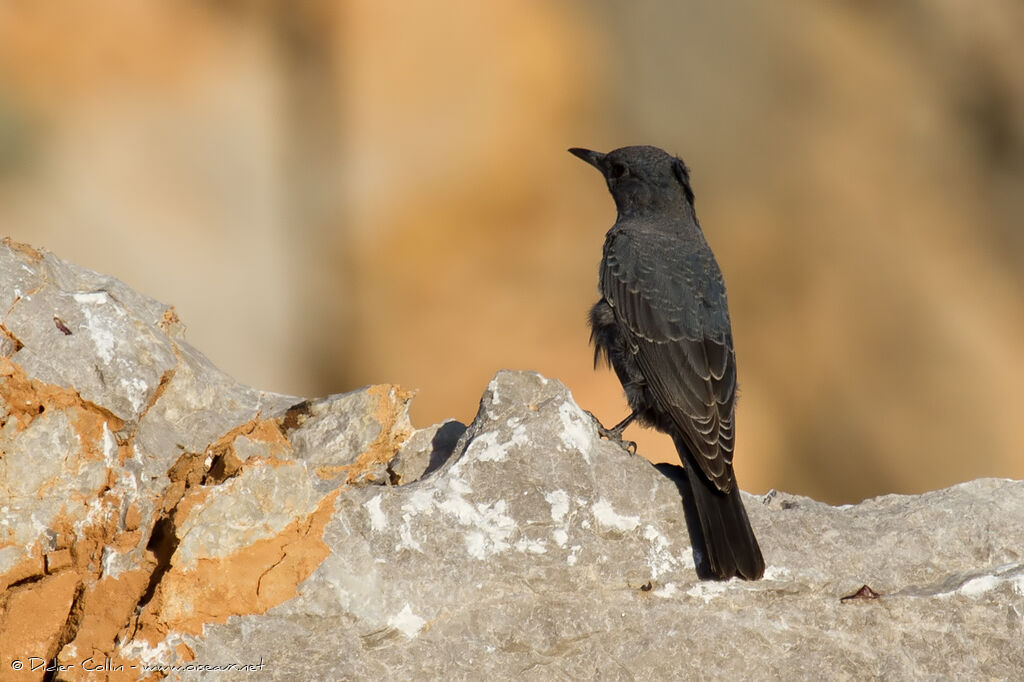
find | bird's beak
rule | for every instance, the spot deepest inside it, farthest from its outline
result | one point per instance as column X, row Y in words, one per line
column 593, row 158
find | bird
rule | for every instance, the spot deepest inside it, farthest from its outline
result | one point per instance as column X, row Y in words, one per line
column 662, row 323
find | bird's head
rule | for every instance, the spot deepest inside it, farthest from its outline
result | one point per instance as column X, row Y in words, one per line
column 642, row 179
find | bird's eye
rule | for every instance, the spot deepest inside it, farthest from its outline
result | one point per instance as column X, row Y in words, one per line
column 618, row 170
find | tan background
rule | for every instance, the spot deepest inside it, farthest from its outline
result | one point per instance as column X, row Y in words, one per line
column 340, row 193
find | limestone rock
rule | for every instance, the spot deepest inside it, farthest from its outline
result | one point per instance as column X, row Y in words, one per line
column 426, row 450
column 154, row 512
column 143, row 492
column 539, row 551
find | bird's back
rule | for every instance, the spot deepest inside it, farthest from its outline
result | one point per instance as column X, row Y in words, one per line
column 667, row 261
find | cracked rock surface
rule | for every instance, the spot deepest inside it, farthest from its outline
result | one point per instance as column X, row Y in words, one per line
column 153, row 511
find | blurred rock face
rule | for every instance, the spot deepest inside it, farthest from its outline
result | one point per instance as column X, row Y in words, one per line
column 847, row 175
column 335, row 195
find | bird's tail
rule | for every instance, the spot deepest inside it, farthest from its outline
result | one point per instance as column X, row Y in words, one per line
column 729, row 543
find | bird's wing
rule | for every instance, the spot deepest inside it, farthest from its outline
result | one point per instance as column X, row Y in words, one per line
column 671, row 306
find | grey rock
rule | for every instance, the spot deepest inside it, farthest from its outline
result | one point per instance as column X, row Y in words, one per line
column 20, row 273
column 7, row 346
column 198, row 404
column 68, row 481
column 100, row 340
column 354, row 435
column 202, row 522
column 541, row 552
column 259, row 502
column 426, row 450
column 334, row 430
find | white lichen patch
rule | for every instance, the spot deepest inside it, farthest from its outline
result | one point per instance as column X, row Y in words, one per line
column 659, row 558
column 405, row 539
column 707, row 590
column 979, row 586
column 458, row 486
column 419, row 501
column 777, row 573
column 488, row 526
column 463, row 511
column 97, row 512
column 109, row 563
column 137, row 391
column 559, row 501
column 666, row 591
column 519, row 436
column 492, row 528
column 378, row 521
column 577, row 431
column 527, row 546
column 109, row 446
column 486, row 448
column 606, row 516
column 492, row 388
column 91, row 297
column 407, row 622
column 99, row 326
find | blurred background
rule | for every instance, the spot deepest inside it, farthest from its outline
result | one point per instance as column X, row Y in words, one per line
column 336, row 193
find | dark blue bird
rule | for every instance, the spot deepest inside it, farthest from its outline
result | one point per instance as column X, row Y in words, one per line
column 663, row 324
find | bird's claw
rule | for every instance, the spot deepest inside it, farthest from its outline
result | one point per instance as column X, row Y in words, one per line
column 614, row 434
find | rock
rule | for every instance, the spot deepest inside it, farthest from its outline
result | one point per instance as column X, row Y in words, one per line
column 155, row 512
column 426, row 450
column 143, row 491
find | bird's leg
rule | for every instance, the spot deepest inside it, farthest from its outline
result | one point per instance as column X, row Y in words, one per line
column 615, row 433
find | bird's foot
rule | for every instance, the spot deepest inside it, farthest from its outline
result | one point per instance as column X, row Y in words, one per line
column 615, row 433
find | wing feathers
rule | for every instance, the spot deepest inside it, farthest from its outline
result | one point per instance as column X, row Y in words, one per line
column 684, row 352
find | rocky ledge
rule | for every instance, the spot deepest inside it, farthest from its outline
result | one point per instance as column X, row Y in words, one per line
column 159, row 519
